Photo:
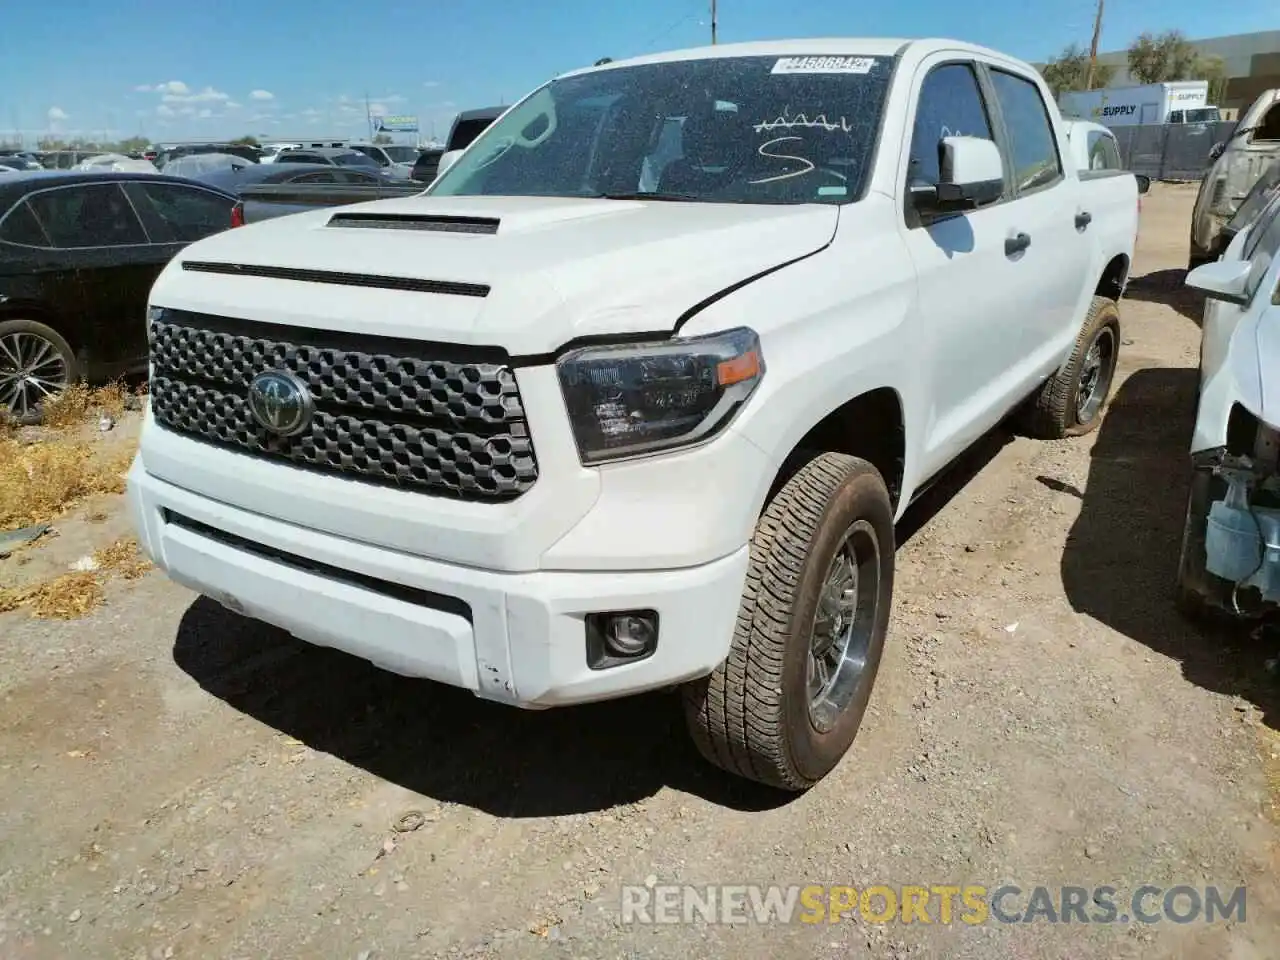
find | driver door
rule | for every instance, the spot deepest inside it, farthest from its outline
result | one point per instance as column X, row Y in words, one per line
column 969, row 288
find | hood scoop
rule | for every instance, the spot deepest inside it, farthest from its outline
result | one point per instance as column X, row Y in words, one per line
column 434, row 223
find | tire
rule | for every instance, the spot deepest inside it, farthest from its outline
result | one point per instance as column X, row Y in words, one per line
column 21, row 341
column 754, row 716
column 1057, row 410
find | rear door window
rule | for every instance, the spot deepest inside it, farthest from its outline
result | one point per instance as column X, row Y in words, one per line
column 87, row 215
column 184, row 214
column 1035, row 150
column 21, row 226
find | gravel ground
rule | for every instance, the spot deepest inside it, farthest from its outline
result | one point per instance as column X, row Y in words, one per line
column 180, row 782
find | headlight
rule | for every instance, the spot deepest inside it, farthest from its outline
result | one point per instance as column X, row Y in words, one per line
column 634, row 399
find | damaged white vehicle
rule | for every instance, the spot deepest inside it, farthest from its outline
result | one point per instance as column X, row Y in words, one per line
column 1231, row 543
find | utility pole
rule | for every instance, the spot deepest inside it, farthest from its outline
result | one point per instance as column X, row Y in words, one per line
column 367, row 115
column 713, row 22
column 1093, row 48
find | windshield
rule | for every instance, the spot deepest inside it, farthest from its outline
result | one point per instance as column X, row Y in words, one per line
column 402, row 154
column 1205, row 115
column 354, row 160
column 724, row 130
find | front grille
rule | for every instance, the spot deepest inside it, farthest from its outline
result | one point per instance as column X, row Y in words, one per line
column 396, row 412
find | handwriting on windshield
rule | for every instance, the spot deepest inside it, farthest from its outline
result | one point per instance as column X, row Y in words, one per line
column 819, row 122
column 809, row 165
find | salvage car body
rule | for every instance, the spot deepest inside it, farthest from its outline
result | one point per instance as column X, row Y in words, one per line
column 1231, row 544
column 1252, row 147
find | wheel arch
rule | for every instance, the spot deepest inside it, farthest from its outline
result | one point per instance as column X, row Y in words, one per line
column 1114, row 277
column 871, row 426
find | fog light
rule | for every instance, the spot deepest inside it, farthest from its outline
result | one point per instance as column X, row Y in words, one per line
column 619, row 637
column 629, row 634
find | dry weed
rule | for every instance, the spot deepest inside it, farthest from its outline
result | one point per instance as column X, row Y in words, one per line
column 67, row 597
column 79, row 402
column 39, row 481
column 123, row 559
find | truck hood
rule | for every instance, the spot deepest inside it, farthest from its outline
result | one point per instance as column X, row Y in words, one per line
column 526, row 274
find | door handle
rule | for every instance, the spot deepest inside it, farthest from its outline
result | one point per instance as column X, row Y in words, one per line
column 1083, row 220
column 1016, row 244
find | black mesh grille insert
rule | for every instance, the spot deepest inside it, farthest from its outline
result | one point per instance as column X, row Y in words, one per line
column 403, row 417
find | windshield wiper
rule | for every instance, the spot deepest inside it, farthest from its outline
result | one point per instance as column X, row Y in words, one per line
column 645, row 196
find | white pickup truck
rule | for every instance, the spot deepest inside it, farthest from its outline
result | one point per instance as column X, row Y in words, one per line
column 633, row 396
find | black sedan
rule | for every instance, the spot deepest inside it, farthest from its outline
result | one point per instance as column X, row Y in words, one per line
column 79, row 252
column 234, row 180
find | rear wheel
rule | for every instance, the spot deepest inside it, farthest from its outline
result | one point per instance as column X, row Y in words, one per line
column 1070, row 403
column 35, row 365
column 787, row 703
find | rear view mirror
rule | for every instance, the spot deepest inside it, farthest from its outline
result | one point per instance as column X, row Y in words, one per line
column 1224, row 280
column 971, row 172
column 1144, row 182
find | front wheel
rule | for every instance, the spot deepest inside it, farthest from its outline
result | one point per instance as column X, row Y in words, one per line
column 787, row 703
column 1070, row 403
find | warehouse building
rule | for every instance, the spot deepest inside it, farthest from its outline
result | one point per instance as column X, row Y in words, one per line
column 1252, row 62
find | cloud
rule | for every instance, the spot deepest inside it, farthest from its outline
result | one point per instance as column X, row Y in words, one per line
column 175, row 87
column 262, row 95
column 165, row 110
column 207, row 95
column 311, row 113
column 232, row 105
column 205, row 114
column 142, row 88
column 57, row 114
column 431, row 83
column 393, row 98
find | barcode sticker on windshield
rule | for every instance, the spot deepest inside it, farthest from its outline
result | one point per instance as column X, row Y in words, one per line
column 824, row 65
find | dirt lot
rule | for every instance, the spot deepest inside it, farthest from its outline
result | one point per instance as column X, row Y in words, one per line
column 180, row 782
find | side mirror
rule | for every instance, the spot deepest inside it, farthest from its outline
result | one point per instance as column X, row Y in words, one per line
column 971, row 172
column 1144, row 182
column 1223, row 280
column 447, row 160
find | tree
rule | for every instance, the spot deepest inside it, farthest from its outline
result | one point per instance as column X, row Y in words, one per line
column 1215, row 71
column 383, row 138
column 1168, row 56
column 246, row 141
column 132, row 145
column 1070, row 71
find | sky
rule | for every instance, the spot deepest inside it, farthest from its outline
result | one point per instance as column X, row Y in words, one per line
column 176, row 69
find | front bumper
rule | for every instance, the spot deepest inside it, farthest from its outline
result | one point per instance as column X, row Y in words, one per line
column 518, row 638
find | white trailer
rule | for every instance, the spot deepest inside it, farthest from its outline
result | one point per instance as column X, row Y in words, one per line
column 1179, row 101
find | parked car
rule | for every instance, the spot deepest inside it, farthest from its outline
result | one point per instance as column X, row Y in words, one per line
column 326, row 188
column 396, row 159
column 78, row 254
column 246, row 151
column 196, row 165
column 115, row 162
column 331, row 157
column 241, row 178
column 1250, row 208
column 1235, row 166
column 1095, row 151
column 551, row 437
column 1230, row 562
column 467, row 125
column 20, row 161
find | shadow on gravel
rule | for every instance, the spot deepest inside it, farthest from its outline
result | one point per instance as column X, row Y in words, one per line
column 445, row 743
column 1168, row 287
column 956, row 477
column 449, row 745
column 1121, row 556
